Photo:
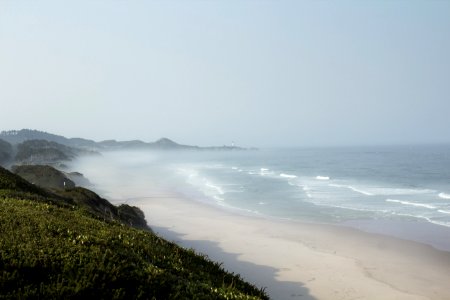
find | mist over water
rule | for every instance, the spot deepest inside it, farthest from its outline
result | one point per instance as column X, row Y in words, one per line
column 334, row 185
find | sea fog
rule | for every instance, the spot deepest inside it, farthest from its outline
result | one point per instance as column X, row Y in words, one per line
column 402, row 191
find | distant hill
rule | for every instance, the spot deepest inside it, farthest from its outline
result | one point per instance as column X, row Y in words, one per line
column 19, row 136
column 46, row 152
column 6, row 152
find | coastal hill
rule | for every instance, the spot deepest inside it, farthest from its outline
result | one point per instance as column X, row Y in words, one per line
column 46, row 184
column 39, row 152
column 6, row 152
column 44, row 176
column 55, row 244
column 19, row 136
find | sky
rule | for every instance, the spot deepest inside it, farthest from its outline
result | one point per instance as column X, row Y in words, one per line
column 257, row 73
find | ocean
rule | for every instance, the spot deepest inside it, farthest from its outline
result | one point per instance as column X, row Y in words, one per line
column 403, row 190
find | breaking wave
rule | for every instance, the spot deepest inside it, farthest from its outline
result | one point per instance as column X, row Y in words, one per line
column 287, row 175
column 411, row 203
column 444, row 196
column 352, row 188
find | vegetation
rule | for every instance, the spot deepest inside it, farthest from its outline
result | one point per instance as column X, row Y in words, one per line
column 11, row 184
column 44, row 176
column 5, row 152
column 102, row 209
column 50, row 248
column 14, row 186
column 41, row 151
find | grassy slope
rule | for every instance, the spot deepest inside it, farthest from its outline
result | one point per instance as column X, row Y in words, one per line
column 53, row 251
column 44, row 176
column 49, row 184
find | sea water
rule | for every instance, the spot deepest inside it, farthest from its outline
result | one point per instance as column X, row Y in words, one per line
column 385, row 186
column 323, row 184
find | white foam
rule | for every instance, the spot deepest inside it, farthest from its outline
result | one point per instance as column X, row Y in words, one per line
column 444, row 211
column 261, row 203
column 446, row 224
column 287, row 175
column 235, row 168
column 215, row 187
column 385, row 191
column 322, row 178
column 444, row 196
column 411, row 203
column 360, row 191
column 264, row 172
column 352, row 188
column 218, row 198
column 353, row 208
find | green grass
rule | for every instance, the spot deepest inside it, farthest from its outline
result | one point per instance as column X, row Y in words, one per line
column 49, row 251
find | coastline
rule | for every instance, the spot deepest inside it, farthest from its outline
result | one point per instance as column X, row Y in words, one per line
column 295, row 260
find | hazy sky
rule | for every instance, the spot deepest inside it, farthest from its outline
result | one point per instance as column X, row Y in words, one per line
column 260, row 73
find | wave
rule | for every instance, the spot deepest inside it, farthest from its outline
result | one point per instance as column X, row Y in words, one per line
column 218, row 198
column 322, row 178
column 215, row 187
column 384, row 211
column 307, row 190
column 360, row 191
column 411, row 203
column 446, row 224
column 352, row 188
column 265, row 171
column 444, row 211
column 385, row 191
column 444, row 196
column 287, row 175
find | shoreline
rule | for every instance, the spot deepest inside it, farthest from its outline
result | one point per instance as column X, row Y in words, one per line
column 422, row 232
column 296, row 260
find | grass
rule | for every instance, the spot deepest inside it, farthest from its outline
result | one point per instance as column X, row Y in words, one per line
column 49, row 251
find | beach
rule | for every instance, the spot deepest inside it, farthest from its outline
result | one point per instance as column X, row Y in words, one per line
column 296, row 236
column 295, row 260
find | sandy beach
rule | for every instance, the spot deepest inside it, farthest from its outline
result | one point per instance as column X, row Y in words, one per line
column 294, row 260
